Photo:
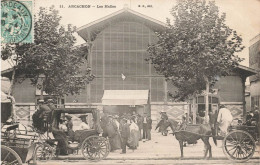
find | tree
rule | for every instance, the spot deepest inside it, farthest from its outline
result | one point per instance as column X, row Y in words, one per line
column 52, row 62
column 196, row 49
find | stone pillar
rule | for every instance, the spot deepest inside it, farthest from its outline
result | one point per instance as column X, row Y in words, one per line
column 243, row 79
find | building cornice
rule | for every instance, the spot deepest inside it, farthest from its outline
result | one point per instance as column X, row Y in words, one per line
column 254, row 40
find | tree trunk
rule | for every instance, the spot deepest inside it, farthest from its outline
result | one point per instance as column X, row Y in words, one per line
column 194, row 109
column 42, row 89
column 41, row 97
column 207, row 99
column 10, row 92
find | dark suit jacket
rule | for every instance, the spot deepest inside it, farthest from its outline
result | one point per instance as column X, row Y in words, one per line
column 44, row 110
column 125, row 131
column 149, row 123
column 140, row 121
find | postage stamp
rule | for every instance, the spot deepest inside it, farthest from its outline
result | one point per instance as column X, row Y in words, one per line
column 17, row 21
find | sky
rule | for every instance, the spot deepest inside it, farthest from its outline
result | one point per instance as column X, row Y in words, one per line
column 242, row 15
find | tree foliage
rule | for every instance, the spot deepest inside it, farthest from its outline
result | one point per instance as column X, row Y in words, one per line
column 52, row 59
column 196, row 48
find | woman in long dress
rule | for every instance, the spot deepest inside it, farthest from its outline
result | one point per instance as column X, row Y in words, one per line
column 113, row 134
column 133, row 141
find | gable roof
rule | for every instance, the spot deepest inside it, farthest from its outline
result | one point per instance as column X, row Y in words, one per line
column 89, row 31
column 246, row 71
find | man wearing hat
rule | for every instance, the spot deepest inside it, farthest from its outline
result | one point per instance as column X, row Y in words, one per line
column 125, row 133
column 163, row 115
column 50, row 104
column 40, row 103
column 149, row 127
column 84, row 124
column 140, row 120
column 145, row 126
column 255, row 117
column 44, row 110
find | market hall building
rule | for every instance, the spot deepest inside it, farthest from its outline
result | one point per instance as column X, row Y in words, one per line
column 125, row 81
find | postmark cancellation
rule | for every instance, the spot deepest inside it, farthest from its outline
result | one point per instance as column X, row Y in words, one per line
column 17, row 21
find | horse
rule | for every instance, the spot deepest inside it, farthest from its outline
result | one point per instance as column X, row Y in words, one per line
column 191, row 133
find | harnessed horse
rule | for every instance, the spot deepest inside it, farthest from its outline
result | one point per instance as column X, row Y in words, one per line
column 191, row 133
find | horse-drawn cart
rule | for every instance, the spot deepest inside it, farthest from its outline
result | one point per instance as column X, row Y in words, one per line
column 16, row 146
column 16, row 141
column 240, row 143
column 92, row 146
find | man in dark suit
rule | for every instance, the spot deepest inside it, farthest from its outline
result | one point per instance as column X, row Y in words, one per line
column 51, row 104
column 149, row 127
column 140, row 120
column 145, row 126
column 125, row 132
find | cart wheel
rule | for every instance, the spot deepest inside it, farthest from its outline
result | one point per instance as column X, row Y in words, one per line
column 9, row 156
column 95, row 148
column 239, row 146
column 43, row 152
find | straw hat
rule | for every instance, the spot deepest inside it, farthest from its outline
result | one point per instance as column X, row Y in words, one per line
column 110, row 116
column 41, row 101
column 50, row 101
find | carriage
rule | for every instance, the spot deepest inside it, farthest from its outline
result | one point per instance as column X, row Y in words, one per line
column 14, row 140
column 92, row 146
column 14, row 145
column 22, row 146
column 240, row 143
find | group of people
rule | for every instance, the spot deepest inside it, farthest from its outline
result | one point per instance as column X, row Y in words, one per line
column 252, row 117
column 42, row 116
column 126, row 130
column 67, row 125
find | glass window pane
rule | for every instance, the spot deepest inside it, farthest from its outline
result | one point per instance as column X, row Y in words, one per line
column 201, row 110
column 201, row 99
column 215, row 100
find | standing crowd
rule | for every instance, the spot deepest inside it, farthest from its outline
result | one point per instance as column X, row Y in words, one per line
column 126, row 130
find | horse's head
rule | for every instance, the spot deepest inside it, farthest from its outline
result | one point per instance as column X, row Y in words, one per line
column 169, row 123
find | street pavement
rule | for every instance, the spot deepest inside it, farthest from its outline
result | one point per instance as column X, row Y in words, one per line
column 160, row 150
column 147, row 162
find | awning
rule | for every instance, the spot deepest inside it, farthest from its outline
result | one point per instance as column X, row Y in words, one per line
column 125, row 97
column 4, row 98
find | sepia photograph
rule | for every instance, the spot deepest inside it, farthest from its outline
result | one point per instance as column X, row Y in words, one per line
column 106, row 82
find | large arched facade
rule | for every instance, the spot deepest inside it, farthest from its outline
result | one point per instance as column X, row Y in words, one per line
column 120, row 50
